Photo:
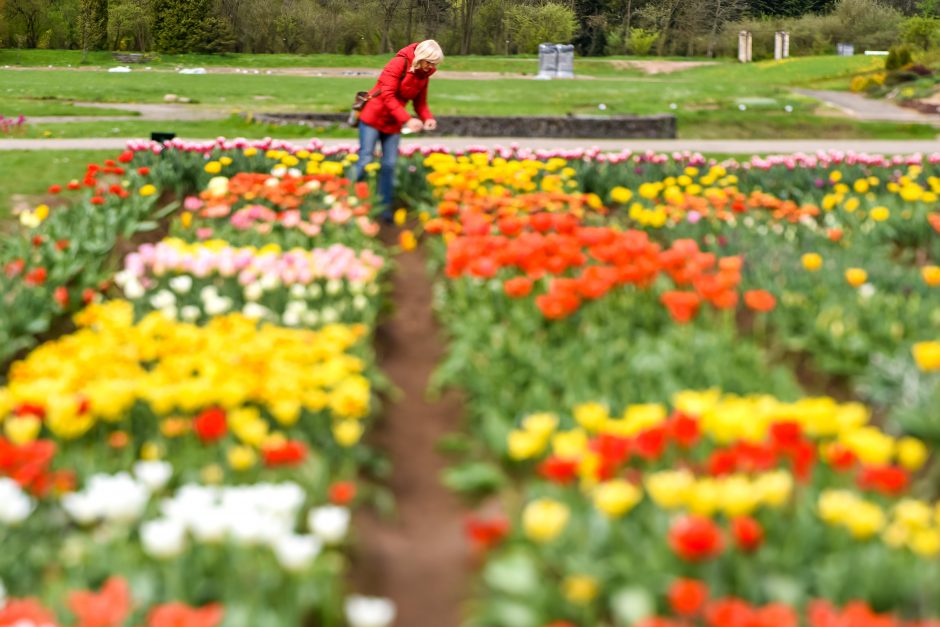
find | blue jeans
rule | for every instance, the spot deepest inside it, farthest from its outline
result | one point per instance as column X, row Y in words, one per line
column 368, row 138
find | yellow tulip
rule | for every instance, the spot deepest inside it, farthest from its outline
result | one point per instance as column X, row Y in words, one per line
column 880, row 214
column 407, row 240
column 545, row 519
column 591, row 416
column 213, row 167
column 856, row 277
column 931, row 275
column 927, row 355
column 580, row 589
column 913, row 514
column 912, row 453
column 241, row 457
column 621, row 195
column 540, row 424
column 670, row 489
column 865, row 520
column 22, row 430
column 524, row 445
column 347, row 432
column 926, row 543
column 616, row 498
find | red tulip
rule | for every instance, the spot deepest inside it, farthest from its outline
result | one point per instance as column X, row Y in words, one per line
column 687, row 597
column 210, row 425
column 747, row 532
column 695, row 539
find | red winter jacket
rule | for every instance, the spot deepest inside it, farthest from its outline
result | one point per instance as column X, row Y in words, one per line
column 398, row 85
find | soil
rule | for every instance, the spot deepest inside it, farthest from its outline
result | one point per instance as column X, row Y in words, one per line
column 653, row 66
column 419, row 558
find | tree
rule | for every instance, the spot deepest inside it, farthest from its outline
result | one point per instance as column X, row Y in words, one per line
column 29, row 16
column 129, row 20
column 920, row 31
column 388, row 8
column 189, row 26
column 93, row 21
column 929, row 8
column 466, row 12
column 530, row 25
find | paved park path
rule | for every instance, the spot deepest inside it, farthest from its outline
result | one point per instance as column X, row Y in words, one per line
column 869, row 109
column 716, row 146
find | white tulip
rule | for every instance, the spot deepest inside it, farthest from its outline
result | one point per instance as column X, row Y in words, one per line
column 208, row 293
column 364, row 611
column 218, row 186
column 210, row 526
column 163, row 299
column 253, row 291
column 297, row 290
column 153, row 474
column 360, row 302
column 15, row 505
column 334, row 286
column 80, row 507
column 119, row 498
column 866, row 291
column 315, row 291
column 311, row 318
column 270, row 281
column 329, row 315
column 133, row 289
column 249, row 528
column 170, row 313
column 330, row 523
column 295, row 173
column 190, row 313
column 218, row 306
column 181, row 284
column 295, row 553
column 255, row 311
column 164, row 538
column 291, row 318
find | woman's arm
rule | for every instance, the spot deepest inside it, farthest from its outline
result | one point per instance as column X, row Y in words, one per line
column 389, row 81
column 421, row 106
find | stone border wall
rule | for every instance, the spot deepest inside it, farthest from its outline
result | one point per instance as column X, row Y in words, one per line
column 588, row 127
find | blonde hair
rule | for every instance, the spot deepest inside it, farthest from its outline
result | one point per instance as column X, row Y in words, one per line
column 428, row 50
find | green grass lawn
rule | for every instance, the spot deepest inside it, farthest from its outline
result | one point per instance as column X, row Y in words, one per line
column 723, row 83
column 706, row 99
column 234, row 126
column 31, row 172
column 12, row 107
column 519, row 64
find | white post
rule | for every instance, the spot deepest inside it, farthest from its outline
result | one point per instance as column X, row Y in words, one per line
column 744, row 46
column 786, row 44
column 778, row 46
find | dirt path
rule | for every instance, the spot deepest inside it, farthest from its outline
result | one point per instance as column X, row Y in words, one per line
column 420, row 558
column 862, row 108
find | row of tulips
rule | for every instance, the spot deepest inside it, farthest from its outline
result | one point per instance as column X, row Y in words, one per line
column 193, row 448
column 573, row 287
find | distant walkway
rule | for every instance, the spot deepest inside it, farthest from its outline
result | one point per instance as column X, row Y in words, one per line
column 136, row 112
column 714, row 146
column 869, row 109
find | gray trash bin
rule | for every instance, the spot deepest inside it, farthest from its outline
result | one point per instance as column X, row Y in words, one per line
column 548, row 61
column 565, row 61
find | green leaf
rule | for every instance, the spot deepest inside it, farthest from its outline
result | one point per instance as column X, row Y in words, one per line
column 474, row 478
